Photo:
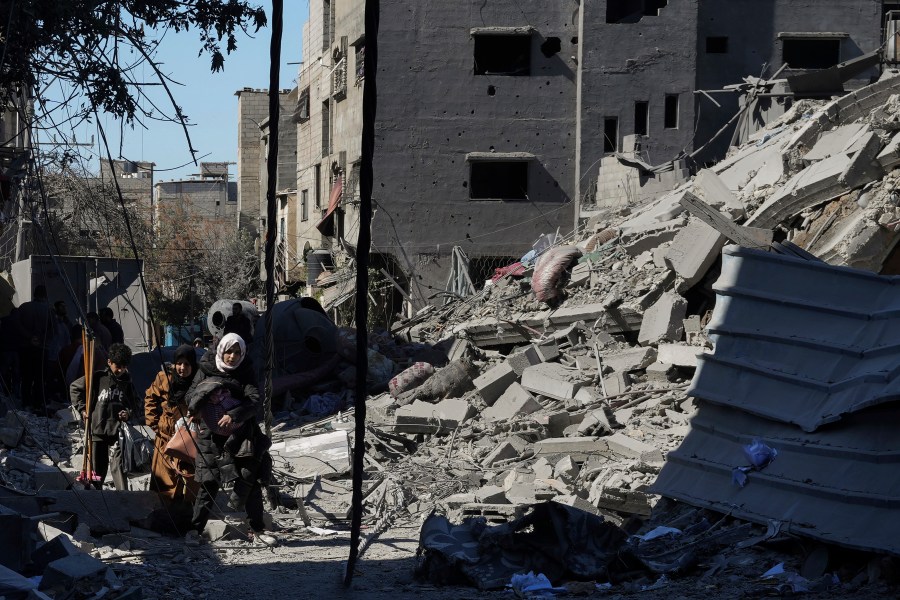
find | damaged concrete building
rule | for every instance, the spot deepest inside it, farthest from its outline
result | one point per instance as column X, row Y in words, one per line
column 504, row 123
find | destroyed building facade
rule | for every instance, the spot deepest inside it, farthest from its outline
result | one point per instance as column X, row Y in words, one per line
column 491, row 132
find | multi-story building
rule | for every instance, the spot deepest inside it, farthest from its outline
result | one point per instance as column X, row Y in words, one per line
column 135, row 180
column 208, row 196
column 492, row 119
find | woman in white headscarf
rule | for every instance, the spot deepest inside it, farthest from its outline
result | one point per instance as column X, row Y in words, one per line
column 223, row 400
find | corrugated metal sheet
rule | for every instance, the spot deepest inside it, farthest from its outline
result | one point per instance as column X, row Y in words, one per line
column 801, row 349
column 798, row 341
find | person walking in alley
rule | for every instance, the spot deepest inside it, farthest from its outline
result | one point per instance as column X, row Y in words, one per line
column 101, row 333
column 112, row 403
column 223, row 400
column 164, row 407
column 117, row 334
column 239, row 323
column 32, row 320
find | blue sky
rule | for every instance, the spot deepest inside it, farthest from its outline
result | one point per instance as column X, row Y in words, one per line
column 206, row 98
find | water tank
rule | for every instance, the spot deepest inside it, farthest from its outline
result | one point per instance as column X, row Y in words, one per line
column 221, row 310
column 316, row 262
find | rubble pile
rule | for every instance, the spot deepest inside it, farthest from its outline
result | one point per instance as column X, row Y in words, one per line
column 560, row 391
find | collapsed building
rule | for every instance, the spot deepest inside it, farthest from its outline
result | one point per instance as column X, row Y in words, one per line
column 696, row 376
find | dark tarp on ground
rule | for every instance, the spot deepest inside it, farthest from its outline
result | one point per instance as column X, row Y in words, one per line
column 562, row 542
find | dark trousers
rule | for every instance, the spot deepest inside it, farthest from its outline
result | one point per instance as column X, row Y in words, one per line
column 102, row 461
column 31, row 363
column 245, row 492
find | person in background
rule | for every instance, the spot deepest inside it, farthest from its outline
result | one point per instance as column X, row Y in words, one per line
column 112, row 403
column 164, row 407
column 60, row 337
column 239, row 323
column 101, row 333
column 33, row 324
column 223, row 400
column 109, row 321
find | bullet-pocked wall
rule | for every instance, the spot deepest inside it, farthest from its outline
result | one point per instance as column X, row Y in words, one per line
column 756, row 37
column 638, row 73
column 475, row 136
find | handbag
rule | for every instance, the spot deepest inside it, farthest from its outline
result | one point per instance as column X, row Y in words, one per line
column 183, row 445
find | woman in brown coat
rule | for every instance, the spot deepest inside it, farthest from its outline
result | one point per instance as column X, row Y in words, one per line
column 164, row 405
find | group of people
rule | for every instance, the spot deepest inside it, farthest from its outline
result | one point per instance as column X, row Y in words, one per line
column 40, row 351
column 216, row 396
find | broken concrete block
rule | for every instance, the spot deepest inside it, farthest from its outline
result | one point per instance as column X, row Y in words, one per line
column 13, row 585
column 577, row 502
column 693, row 251
column 218, row 530
column 555, row 421
column 491, row 494
column 548, row 350
column 523, row 358
column 679, row 355
column 565, row 469
column 633, row 359
column 493, row 382
column 553, row 380
column 380, row 409
column 424, row 417
column 326, row 454
column 59, row 547
column 510, row 448
column 542, row 469
column 632, row 448
column 595, row 422
column 710, row 188
column 64, row 574
column 11, row 437
column 458, row 350
column 528, row 493
column 617, row 383
column 693, row 332
column 581, row 274
column 517, row 476
column 611, row 497
column 658, row 373
column 576, row 447
column 515, row 402
column 663, row 320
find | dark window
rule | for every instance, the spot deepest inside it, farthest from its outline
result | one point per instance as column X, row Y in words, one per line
column 811, row 53
column 304, row 205
column 499, row 180
column 360, row 62
column 318, row 192
column 641, row 116
column 631, row 11
column 717, row 45
column 302, row 112
column 671, row 112
column 327, row 24
column 326, row 129
column 610, row 134
column 502, row 54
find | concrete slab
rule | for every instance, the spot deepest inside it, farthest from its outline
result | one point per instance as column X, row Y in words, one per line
column 710, row 188
column 424, row 417
column 515, row 402
column 835, row 141
column 680, row 355
column 693, row 251
column 627, row 446
column 510, row 448
column 64, row 574
column 578, row 448
column 554, row 421
column 889, row 157
column 553, row 380
column 633, row 359
column 663, row 320
column 326, row 454
column 492, row 383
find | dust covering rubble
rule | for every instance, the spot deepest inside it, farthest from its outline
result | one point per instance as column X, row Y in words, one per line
column 524, row 428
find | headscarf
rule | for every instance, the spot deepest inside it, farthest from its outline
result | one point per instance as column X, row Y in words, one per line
column 179, row 385
column 229, row 340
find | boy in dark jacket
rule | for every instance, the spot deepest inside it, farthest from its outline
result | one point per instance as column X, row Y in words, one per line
column 112, row 403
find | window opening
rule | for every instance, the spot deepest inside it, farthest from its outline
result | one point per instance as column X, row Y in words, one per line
column 811, row 53
column 632, row 11
column 717, row 45
column 304, row 205
column 610, row 134
column 326, row 129
column 498, row 180
column 671, row 112
column 318, row 192
column 502, row 54
column 641, row 118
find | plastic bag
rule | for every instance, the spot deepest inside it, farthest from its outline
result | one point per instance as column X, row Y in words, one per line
column 137, row 450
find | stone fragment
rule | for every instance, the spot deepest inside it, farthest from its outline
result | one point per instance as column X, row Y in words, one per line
column 620, row 443
column 617, row 383
column 663, row 320
column 542, row 469
column 59, row 547
column 576, row 447
column 658, row 373
column 679, row 355
column 693, row 251
column 547, row 350
column 553, row 381
column 555, row 421
column 509, row 448
column 565, row 469
column 523, row 358
column 515, row 401
column 595, row 422
column 64, row 574
column 493, row 382
column 633, row 359
column 424, row 417
column 491, row 494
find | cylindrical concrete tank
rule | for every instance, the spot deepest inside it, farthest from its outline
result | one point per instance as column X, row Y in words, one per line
column 221, row 310
column 317, row 261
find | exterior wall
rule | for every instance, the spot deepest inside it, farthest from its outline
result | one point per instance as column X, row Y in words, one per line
column 433, row 110
column 253, row 109
column 135, row 180
column 201, row 198
column 752, row 28
column 624, row 63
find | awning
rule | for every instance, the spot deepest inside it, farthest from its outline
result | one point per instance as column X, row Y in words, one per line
column 326, row 225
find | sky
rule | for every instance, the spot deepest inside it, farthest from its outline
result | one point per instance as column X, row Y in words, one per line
column 206, row 98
